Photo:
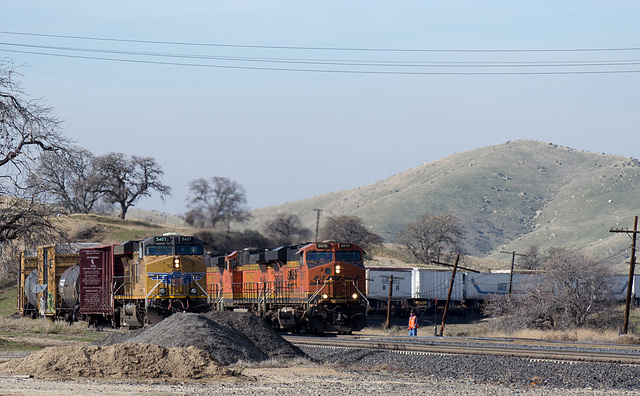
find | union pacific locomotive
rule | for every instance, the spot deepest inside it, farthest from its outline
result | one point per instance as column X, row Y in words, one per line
column 140, row 283
column 317, row 287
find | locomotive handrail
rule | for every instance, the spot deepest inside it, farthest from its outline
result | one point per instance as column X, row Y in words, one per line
column 146, row 297
column 361, row 294
column 204, row 291
column 313, row 296
column 218, row 296
column 265, row 295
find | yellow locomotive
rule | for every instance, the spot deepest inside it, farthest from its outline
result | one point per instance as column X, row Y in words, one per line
column 139, row 283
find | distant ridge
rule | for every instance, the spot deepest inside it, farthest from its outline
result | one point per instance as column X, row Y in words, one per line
column 507, row 196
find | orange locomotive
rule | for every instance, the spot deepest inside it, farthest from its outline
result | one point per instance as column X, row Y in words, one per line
column 317, row 287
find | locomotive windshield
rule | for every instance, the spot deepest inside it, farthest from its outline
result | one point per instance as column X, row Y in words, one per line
column 319, row 257
column 348, row 256
column 153, row 250
column 189, row 249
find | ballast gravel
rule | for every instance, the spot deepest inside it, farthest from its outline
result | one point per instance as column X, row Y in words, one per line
column 513, row 372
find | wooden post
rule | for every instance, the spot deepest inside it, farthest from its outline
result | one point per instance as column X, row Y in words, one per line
column 453, row 277
column 513, row 262
column 632, row 267
column 388, row 324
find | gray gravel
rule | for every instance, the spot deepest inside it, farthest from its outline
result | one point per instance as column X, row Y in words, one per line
column 228, row 337
column 519, row 373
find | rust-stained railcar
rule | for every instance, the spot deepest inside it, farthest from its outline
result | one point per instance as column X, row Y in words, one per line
column 47, row 286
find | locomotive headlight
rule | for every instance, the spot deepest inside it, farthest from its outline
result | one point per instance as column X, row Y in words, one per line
column 354, row 296
column 325, row 296
column 193, row 290
column 176, row 263
column 338, row 267
column 163, row 291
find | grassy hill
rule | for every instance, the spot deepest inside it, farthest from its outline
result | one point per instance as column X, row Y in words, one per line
column 507, row 197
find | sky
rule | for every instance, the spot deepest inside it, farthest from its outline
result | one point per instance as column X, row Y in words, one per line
column 294, row 99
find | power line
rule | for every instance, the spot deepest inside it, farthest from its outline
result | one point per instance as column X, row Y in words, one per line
column 344, row 71
column 316, row 48
column 338, row 62
column 320, row 65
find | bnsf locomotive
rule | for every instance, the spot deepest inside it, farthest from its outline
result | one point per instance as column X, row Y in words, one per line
column 317, row 287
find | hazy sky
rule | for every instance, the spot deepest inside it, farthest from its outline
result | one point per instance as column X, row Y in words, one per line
column 293, row 99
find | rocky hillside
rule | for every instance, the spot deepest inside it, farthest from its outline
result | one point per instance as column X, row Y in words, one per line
column 507, row 197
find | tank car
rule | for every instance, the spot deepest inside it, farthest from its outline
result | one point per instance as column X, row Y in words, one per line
column 317, row 287
column 48, row 280
column 137, row 283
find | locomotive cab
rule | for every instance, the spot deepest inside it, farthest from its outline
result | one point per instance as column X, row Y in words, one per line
column 175, row 281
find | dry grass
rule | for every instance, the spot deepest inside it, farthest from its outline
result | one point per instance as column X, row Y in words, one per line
column 574, row 335
column 483, row 328
column 24, row 325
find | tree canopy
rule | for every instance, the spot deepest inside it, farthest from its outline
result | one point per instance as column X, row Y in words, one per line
column 431, row 236
column 286, row 229
column 215, row 201
column 125, row 180
column 346, row 228
column 27, row 129
column 574, row 288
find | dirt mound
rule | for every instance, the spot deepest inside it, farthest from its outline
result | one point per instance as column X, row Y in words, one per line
column 227, row 337
column 117, row 361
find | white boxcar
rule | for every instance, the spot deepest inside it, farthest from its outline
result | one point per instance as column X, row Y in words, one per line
column 480, row 285
column 431, row 283
column 378, row 283
column 619, row 287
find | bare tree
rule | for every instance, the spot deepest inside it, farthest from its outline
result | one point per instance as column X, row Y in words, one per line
column 70, row 179
column 431, row 237
column 346, row 228
column 574, row 288
column 215, row 201
column 532, row 259
column 286, row 229
column 27, row 129
column 125, row 180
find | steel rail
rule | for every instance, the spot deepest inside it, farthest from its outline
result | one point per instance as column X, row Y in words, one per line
column 628, row 356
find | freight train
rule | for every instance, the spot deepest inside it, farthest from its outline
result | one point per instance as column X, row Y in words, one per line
column 129, row 284
column 412, row 287
column 316, row 287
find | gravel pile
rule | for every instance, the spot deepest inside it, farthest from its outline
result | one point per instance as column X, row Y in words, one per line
column 228, row 337
column 518, row 373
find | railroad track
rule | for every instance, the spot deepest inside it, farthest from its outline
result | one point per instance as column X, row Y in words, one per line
column 532, row 350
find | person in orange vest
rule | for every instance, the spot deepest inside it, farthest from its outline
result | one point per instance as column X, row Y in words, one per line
column 413, row 324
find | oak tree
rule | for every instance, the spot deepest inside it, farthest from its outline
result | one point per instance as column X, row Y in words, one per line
column 216, row 201
column 347, row 228
column 285, row 229
column 432, row 237
column 70, row 180
column 125, row 180
column 27, row 129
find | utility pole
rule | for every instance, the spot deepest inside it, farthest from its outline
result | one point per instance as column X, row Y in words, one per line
column 453, row 277
column 317, row 222
column 391, row 278
column 632, row 268
column 513, row 262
